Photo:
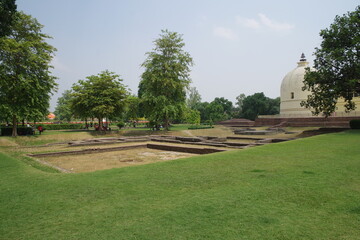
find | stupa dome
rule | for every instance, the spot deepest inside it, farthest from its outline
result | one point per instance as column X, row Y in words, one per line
column 291, row 93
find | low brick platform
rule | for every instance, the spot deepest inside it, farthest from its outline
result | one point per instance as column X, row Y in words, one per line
column 237, row 122
column 342, row 122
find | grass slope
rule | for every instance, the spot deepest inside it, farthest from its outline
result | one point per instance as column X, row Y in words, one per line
column 304, row 189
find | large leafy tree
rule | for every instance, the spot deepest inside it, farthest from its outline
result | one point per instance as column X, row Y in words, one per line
column 259, row 104
column 7, row 13
column 167, row 75
column 63, row 109
column 337, row 64
column 26, row 83
column 100, row 96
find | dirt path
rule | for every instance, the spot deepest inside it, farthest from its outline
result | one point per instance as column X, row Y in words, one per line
column 189, row 133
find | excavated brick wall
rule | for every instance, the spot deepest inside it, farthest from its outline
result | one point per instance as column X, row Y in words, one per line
column 184, row 149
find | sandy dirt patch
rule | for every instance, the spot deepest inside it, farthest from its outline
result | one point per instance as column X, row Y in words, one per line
column 100, row 161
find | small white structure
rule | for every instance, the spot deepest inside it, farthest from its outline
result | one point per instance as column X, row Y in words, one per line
column 291, row 93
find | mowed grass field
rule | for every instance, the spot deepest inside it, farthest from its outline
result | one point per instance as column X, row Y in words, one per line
column 302, row 189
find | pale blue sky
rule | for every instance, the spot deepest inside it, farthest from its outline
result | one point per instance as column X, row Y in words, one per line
column 237, row 46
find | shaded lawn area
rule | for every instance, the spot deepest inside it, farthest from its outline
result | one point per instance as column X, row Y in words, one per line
column 303, row 189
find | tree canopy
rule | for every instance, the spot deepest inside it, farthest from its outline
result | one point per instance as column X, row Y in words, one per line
column 7, row 14
column 259, row 104
column 26, row 82
column 219, row 109
column 163, row 84
column 337, row 64
column 100, row 96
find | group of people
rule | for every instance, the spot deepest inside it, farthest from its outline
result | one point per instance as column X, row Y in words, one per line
column 39, row 128
column 97, row 127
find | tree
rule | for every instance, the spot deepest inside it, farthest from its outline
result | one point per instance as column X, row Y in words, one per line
column 215, row 112
column 100, row 96
column 259, row 104
column 7, row 12
column 26, row 82
column 194, row 98
column 163, row 84
column 218, row 110
column 63, row 109
column 337, row 64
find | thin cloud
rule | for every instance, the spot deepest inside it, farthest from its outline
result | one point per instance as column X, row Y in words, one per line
column 226, row 33
column 248, row 23
column 263, row 22
column 271, row 24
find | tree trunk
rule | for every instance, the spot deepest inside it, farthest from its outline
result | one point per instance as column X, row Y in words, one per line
column 14, row 126
column 166, row 124
column 100, row 124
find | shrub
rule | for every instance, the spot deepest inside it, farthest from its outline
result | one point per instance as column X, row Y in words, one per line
column 355, row 124
column 21, row 131
column 120, row 124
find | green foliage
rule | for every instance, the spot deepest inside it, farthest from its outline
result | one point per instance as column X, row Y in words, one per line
column 63, row 110
column 218, row 110
column 99, row 96
column 192, row 116
column 355, row 124
column 199, row 127
column 120, row 125
column 21, row 131
column 132, row 108
column 337, row 65
column 63, row 126
column 259, row 104
column 7, row 12
column 237, row 110
column 26, row 82
column 165, row 79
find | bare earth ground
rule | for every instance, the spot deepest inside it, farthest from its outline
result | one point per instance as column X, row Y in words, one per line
column 107, row 160
column 124, row 158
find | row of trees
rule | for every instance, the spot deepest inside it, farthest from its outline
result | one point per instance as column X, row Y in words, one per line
column 26, row 82
column 84, row 101
column 222, row 109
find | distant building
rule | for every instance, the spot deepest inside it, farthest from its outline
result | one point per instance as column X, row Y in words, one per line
column 51, row 116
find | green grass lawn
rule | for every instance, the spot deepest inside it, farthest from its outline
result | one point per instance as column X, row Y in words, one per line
column 303, row 189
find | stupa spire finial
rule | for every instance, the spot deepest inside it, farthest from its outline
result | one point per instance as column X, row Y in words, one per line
column 302, row 58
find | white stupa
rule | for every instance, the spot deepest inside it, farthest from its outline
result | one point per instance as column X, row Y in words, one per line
column 291, row 93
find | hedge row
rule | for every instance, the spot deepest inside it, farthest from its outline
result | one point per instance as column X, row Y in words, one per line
column 199, row 127
column 62, row 126
column 355, row 124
